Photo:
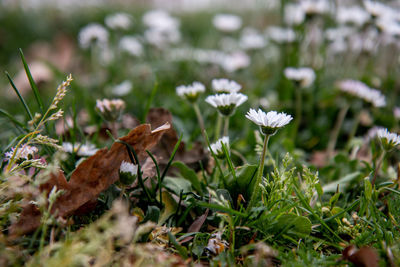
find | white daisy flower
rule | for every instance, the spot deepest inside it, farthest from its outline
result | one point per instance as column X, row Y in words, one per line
column 315, row 7
column 396, row 112
column 225, row 86
column 131, row 45
column 128, row 172
column 352, row 15
column 82, row 150
column 118, row 21
column 123, row 88
column 281, row 35
column 235, row 61
column 304, row 76
column 217, row 149
column 128, row 168
column 361, row 90
column 294, row 14
column 269, row 122
column 24, row 152
column 251, row 39
column 226, row 103
column 110, row 109
column 389, row 140
column 190, row 92
column 93, row 34
column 227, row 22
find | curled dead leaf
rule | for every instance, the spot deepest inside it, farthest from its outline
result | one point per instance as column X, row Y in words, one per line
column 90, row 178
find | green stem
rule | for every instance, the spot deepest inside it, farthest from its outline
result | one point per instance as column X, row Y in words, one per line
column 378, row 166
column 353, row 130
column 299, row 108
column 200, row 120
column 226, row 126
column 336, row 129
column 256, row 190
column 218, row 127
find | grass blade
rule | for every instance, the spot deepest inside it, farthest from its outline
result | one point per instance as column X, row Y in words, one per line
column 13, row 120
column 19, row 96
column 32, row 82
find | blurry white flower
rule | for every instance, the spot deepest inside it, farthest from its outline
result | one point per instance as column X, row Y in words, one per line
column 190, row 92
column 227, row 22
column 388, row 26
column 161, row 37
column 110, row 109
column 82, row 150
column 93, row 34
column 388, row 139
column 366, row 42
column 123, row 88
column 281, row 35
column 379, row 9
column 396, row 112
column 361, row 90
column 217, row 149
column 304, row 76
column 294, row 14
column 338, row 46
column 24, row 152
column 225, row 86
column 119, row 21
column 315, row 7
column 342, row 32
column 251, row 39
column 131, row 45
column 161, row 20
column 269, row 122
column 235, row 61
column 226, row 103
column 352, row 15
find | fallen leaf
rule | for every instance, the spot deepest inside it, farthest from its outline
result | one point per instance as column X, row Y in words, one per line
column 159, row 116
column 363, row 257
column 90, row 178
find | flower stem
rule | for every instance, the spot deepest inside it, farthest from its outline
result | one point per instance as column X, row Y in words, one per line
column 353, row 130
column 336, row 129
column 378, row 166
column 218, row 127
column 256, row 190
column 200, row 120
column 299, row 109
column 226, row 126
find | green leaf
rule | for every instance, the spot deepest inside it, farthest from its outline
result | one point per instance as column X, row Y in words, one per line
column 181, row 249
column 189, row 175
column 343, row 183
column 28, row 111
column 367, row 188
column 176, row 185
column 152, row 214
column 170, row 207
column 334, row 199
column 293, row 223
column 12, row 119
column 200, row 243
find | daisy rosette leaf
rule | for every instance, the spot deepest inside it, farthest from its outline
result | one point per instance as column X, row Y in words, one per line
column 110, row 110
column 301, row 76
column 190, row 92
column 226, row 103
column 269, row 122
column 225, row 86
column 217, row 148
column 388, row 140
column 127, row 172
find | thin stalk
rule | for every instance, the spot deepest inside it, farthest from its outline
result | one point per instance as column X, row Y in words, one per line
column 353, row 130
column 256, row 190
column 200, row 120
column 336, row 129
column 378, row 166
column 226, row 126
column 299, row 110
column 218, row 127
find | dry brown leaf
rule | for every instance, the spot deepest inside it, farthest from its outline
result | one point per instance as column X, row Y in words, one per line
column 91, row 177
column 363, row 257
column 159, row 116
